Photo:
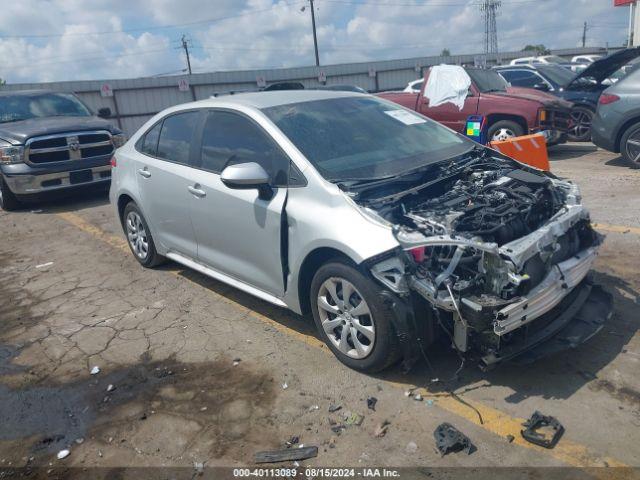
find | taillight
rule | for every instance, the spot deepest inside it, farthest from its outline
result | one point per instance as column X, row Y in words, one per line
column 114, row 163
column 607, row 98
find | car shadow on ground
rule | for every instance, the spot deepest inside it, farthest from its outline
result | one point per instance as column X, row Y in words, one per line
column 72, row 201
column 619, row 162
column 570, row 151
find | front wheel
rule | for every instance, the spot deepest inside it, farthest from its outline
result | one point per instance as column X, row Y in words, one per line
column 139, row 237
column 630, row 145
column 581, row 130
column 8, row 200
column 351, row 318
column 504, row 130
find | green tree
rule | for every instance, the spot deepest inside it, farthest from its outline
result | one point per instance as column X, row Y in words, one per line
column 445, row 52
column 539, row 49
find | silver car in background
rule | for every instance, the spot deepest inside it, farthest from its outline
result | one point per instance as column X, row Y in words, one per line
column 389, row 228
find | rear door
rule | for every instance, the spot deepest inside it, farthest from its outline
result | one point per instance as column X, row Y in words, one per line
column 237, row 232
column 164, row 173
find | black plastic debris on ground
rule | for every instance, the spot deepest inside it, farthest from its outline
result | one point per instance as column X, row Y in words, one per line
column 371, row 403
column 289, row 454
column 450, row 439
column 549, row 437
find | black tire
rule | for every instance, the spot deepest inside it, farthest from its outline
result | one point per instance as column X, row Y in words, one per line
column 582, row 118
column 628, row 150
column 503, row 129
column 8, row 200
column 385, row 348
column 151, row 258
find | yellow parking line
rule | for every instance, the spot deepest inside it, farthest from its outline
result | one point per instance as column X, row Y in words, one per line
column 494, row 421
column 605, row 227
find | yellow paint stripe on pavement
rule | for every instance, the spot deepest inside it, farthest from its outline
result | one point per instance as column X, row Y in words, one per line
column 494, row 421
column 605, row 227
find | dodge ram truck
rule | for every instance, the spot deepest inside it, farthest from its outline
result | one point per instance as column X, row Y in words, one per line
column 51, row 142
column 510, row 112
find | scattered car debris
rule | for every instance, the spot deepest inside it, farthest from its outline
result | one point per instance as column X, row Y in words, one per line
column 338, row 428
column 285, row 386
column 313, row 408
column 286, row 455
column 537, row 422
column 110, row 388
column 294, row 440
column 417, row 397
column 79, row 441
column 429, row 403
column 95, row 370
column 371, row 403
column 450, row 439
column 411, row 447
column 381, row 429
column 43, row 265
column 334, row 408
column 236, row 361
column 510, row 438
column 63, row 454
column 353, row 418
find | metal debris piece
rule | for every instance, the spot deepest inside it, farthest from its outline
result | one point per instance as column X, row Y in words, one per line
column 63, row 454
column 371, row 403
column 417, row 397
column 236, row 361
column 510, row 438
column 110, row 388
column 539, row 421
column 95, row 370
column 285, row 386
column 337, row 429
column 43, row 265
column 381, row 429
column 313, row 408
column 286, row 455
column 294, row 440
column 334, row 408
column 450, row 439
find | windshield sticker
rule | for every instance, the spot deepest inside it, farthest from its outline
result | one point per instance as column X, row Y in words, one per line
column 405, row 117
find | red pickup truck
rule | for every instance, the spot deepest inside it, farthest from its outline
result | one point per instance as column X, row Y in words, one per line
column 510, row 111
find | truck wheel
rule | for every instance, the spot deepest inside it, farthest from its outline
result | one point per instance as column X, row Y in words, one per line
column 504, row 130
column 630, row 145
column 8, row 200
column 139, row 237
column 581, row 130
column 351, row 318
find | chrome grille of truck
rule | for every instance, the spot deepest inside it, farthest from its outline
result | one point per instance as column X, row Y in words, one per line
column 69, row 146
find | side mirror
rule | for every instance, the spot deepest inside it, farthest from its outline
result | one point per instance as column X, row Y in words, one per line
column 245, row 176
column 541, row 86
column 104, row 112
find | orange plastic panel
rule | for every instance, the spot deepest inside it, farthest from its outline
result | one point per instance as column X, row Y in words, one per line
column 529, row 149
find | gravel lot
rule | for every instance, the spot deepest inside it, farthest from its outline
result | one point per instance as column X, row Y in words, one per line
column 73, row 297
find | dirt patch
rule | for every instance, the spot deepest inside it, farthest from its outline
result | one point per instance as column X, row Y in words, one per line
column 156, row 408
column 624, row 394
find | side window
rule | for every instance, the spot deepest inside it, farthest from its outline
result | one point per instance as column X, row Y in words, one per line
column 229, row 138
column 175, row 137
column 149, row 143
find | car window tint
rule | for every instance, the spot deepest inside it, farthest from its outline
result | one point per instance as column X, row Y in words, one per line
column 175, row 137
column 229, row 138
column 521, row 78
column 150, row 141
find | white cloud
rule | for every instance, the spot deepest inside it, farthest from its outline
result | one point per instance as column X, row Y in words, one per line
column 271, row 33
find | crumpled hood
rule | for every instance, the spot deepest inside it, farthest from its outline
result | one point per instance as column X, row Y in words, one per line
column 533, row 95
column 19, row 132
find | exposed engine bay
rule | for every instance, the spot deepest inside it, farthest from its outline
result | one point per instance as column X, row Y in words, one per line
column 491, row 244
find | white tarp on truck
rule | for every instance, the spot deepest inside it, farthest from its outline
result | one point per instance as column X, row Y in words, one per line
column 447, row 83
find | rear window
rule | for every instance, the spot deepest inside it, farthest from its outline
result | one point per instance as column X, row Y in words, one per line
column 149, row 143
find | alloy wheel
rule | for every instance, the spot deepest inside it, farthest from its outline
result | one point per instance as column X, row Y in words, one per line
column 137, row 235
column 581, row 124
column 345, row 318
column 503, row 134
column 633, row 146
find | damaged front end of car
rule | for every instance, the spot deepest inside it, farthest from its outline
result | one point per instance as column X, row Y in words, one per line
column 500, row 252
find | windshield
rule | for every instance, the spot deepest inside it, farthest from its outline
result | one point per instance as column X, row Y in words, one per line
column 558, row 75
column 363, row 138
column 23, row 107
column 487, row 80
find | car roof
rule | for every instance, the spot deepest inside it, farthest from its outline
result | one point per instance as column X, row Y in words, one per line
column 262, row 100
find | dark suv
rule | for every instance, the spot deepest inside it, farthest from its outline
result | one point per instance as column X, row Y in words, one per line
column 49, row 142
column 582, row 89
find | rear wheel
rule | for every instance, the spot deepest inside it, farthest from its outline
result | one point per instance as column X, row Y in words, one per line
column 582, row 118
column 139, row 237
column 630, row 145
column 351, row 318
column 504, row 130
column 8, row 201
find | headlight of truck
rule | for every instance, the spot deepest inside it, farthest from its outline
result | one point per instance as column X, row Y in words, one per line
column 119, row 139
column 11, row 153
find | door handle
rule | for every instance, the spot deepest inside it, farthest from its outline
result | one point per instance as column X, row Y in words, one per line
column 144, row 172
column 196, row 191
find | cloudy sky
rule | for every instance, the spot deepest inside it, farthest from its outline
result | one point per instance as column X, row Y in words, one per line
column 45, row 40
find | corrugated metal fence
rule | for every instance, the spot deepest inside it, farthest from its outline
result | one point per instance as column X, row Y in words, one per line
column 133, row 101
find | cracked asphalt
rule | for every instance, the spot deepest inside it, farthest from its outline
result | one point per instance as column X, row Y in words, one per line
column 203, row 373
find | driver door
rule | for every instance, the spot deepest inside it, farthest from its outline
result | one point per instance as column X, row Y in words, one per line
column 238, row 231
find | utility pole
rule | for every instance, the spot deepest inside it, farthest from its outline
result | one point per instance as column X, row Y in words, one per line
column 584, row 35
column 315, row 37
column 185, row 45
